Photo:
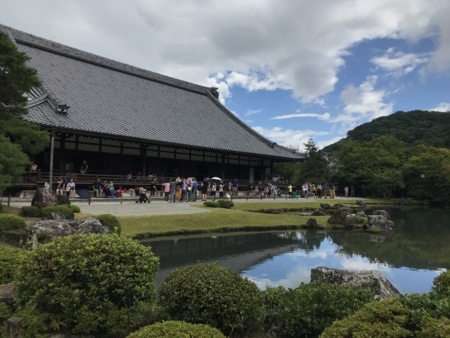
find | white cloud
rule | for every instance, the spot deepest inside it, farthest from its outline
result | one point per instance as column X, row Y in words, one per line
column 323, row 117
column 323, row 143
column 443, row 107
column 363, row 104
column 251, row 112
column 289, row 137
column 398, row 63
column 258, row 45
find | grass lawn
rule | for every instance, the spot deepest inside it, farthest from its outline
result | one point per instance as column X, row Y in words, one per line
column 217, row 220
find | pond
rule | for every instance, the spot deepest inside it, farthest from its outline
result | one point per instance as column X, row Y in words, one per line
column 411, row 256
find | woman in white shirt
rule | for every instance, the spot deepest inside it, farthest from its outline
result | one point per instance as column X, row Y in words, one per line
column 71, row 186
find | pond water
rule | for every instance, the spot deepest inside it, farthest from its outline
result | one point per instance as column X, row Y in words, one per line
column 410, row 257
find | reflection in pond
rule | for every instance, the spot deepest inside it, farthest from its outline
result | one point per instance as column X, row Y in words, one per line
column 410, row 257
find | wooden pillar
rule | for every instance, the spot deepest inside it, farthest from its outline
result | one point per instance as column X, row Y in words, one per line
column 222, row 171
column 52, row 150
column 143, row 159
column 13, row 327
column 271, row 169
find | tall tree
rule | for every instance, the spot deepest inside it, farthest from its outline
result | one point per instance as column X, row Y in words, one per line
column 316, row 168
column 17, row 137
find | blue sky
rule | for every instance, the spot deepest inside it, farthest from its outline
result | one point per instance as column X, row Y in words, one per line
column 290, row 69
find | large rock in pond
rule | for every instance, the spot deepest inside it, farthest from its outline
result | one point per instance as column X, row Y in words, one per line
column 382, row 212
column 338, row 217
column 367, row 279
column 45, row 197
column 379, row 221
column 47, row 230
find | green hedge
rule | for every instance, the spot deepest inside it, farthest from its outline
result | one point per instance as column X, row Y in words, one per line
column 1, row 207
column 88, row 284
column 63, row 208
column 309, row 309
column 177, row 329
column 212, row 295
column 11, row 222
column 10, row 259
column 30, row 211
column 211, row 204
column 111, row 222
column 74, row 208
column 227, row 204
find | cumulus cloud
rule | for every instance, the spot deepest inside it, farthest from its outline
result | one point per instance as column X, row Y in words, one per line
column 258, row 45
column 442, row 107
column 363, row 103
column 323, row 117
column 398, row 63
column 251, row 112
column 289, row 137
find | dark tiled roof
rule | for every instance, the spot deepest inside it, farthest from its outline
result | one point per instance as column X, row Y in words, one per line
column 113, row 98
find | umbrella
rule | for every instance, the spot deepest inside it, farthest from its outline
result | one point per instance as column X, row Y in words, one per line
column 216, row 179
column 83, row 193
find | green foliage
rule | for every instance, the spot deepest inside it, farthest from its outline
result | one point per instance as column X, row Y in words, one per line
column 27, row 134
column 441, row 283
column 416, row 315
column 74, row 208
column 1, row 207
column 213, row 295
column 338, row 217
column 5, row 313
column 211, row 204
column 177, row 329
column 88, row 284
column 316, row 168
column 355, row 221
column 30, row 211
column 10, row 259
column 111, row 222
column 11, row 222
column 309, row 309
column 12, row 162
column 16, row 79
column 47, row 211
column 227, row 204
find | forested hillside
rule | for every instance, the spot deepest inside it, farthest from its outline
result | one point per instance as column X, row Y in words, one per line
column 413, row 128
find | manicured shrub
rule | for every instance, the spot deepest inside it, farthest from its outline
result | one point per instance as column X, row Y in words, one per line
column 47, row 211
column 74, row 208
column 10, row 259
column 177, row 329
column 338, row 217
column 355, row 221
column 441, row 283
column 212, row 295
column 405, row 316
column 11, row 222
column 309, row 309
column 88, row 284
column 1, row 207
column 227, row 204
column 111, row 222
column 30, row 211
column 211, row 204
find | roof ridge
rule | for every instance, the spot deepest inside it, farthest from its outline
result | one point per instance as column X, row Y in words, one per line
column 77, row 54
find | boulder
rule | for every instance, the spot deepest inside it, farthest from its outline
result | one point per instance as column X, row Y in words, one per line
column 7, row 293
column 360, row 203
column 361, row 213
column 379, row 221
column 325, row 206
column 311, row 223
column 353, row 221
column 59, row 216
column 382, row 212
column 43, row 198
column 318, row 212
column 63, row 199
column 367, row 279
column 338, row 217
column 47, row 230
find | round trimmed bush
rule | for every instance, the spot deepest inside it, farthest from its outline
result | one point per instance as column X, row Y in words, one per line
column 74, row 208
column 177, row 329
column 30, row 211
column 88, row 283
column 212, row 295
column 211, row 204
column 10, row 259
column 309, row 309
column 226, row 204
column 111, row 222
column 11, row 222
column 47, row 211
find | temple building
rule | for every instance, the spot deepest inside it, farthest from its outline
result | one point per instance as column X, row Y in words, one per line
column 122, row 119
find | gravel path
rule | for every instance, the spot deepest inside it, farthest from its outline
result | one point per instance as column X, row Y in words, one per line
column 158, row 207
